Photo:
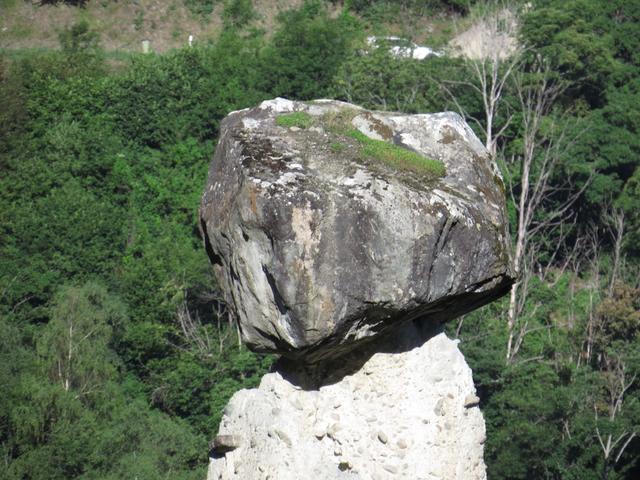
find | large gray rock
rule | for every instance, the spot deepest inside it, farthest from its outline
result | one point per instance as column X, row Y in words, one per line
column 404, row 408
column 319, row 248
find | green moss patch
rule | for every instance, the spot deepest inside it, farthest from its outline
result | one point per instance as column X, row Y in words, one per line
column 337, row 147
column 295, row 119
column 339, row 124
column 397, row 157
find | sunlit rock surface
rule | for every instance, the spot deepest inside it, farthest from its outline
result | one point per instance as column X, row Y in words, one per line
column 319, row 248
column 403, row 408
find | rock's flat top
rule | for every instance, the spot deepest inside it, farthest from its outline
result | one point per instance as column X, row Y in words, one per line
column 408, row 413
column 320, row 245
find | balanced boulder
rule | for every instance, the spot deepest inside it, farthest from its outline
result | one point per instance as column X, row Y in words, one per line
column 329, row 224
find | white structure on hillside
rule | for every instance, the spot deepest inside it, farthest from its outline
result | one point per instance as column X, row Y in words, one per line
column 403, row 48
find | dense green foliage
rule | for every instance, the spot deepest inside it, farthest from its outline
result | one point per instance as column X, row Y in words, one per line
column 117, row 352
column 306, row 51
column 377, row 7
column 101, row 176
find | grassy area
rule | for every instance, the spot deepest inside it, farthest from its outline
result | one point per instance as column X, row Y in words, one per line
column 168, row 24
column 22, row 53
column 114, row 59
column 337, row 147
column 295, row 119
column 397, row 157
column 339, row 124
column 120, row 25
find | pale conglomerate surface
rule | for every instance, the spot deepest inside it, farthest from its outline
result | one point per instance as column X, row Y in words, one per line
column 407, row 413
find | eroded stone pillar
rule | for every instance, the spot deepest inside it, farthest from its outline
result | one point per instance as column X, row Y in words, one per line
column 405, row 408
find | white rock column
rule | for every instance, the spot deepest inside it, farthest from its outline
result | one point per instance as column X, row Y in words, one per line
column 405, row 409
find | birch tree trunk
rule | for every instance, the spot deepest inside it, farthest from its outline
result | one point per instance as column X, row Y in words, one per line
column 537, row 163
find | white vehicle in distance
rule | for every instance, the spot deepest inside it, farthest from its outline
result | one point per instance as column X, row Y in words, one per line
column 403, row 48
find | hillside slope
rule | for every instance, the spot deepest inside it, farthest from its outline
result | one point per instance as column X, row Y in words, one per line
column 123, row 25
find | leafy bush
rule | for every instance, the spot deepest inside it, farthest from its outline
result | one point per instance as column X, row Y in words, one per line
column 238, row 13
column 306, row 51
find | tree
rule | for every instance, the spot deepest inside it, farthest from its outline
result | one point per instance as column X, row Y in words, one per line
column 629, row 202
column 616, row 409
column 379, row 80
column 615, row 433
column 238, row 13
column 579, row 39
column 533, row 186
column 491, row 58
column 307, row 50
column 80, row 46
column 75, row 344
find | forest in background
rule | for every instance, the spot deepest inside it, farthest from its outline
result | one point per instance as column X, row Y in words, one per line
column 117, row 356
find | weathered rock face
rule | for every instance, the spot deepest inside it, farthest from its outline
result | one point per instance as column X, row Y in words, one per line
column 320, row 248
column 404, row 408
column 321, row 244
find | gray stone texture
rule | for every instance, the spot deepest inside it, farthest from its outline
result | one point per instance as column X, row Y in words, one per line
column 319, row 250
